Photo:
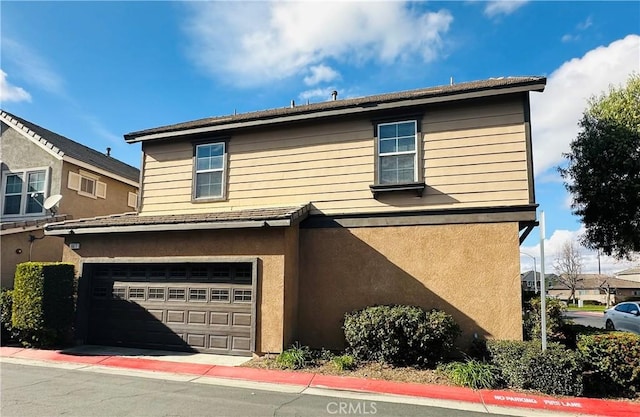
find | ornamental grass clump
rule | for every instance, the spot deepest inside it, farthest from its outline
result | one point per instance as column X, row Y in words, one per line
column 296, row 357
column 473, row 374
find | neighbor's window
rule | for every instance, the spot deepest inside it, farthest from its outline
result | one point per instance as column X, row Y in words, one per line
column 397, row 152
column 209, row 170
column 87, row 184
column 23, row 192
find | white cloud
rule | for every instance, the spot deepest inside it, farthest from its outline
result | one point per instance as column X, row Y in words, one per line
column 585, row 25
column 321, row 94
column 319, row 74
column 9, row 92
column 249, row 43
column 494, row 8
column 555, row 112
column 580, row 27
column 553, row 245
column 33, row 68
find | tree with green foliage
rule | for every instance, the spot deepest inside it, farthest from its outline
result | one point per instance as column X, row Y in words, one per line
column 603, row 171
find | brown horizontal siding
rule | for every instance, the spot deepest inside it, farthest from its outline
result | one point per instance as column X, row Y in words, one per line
column 472, row 157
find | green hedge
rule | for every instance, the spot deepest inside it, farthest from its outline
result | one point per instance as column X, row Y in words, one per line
column 43, row 303
column 6, row 302
column 612, row 361
column 400, row 334
column 523, row 365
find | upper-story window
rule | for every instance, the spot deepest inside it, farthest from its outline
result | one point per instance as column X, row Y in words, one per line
column 397, row 156
column 23, row 192
column 210, row 164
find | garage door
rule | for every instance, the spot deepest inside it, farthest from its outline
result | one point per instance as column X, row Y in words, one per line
column 198, row 306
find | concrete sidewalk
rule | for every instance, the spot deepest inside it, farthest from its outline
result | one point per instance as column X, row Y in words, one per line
column 225, row 370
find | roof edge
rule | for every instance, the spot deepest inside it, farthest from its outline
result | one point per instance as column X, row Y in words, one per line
column 31, row 135
column 342, row 107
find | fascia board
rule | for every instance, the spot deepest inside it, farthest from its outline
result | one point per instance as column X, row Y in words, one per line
column 340, row 112
column 168, row 227
column 34, row 137
column 100, row 171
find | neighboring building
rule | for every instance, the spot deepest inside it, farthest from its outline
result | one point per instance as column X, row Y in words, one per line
column 38, row 164
column 604, row 289
column 631, row 274
column 528, row 284
column 260, row 229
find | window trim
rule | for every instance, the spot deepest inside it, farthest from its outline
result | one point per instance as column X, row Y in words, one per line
column 225, row 164
column 418, row 185
column 74, row 182
column 24, row 172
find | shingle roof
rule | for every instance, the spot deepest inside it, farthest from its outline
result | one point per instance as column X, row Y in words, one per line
column 19, row 225
column 369, row 101
column 74, row 149
column 593, row 281
column 130, row 221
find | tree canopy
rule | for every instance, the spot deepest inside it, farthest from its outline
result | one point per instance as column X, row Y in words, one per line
column 603, row 171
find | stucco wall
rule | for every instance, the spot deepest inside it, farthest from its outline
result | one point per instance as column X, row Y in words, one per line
column 80, row 206
column 18, row 153
column 470, row 271
column 48, row 249
column 268, row 245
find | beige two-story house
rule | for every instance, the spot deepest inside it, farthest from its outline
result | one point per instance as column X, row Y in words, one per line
column 260, row 229
column 47, row 177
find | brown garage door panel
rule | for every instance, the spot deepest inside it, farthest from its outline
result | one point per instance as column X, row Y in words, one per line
column 130, row 306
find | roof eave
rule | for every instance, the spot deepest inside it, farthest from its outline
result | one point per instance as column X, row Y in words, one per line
column 168, row 227
column 359, row 108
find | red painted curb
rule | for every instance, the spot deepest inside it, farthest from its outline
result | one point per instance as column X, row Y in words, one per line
column 581, row 405
column 9, row 351
column 156, row 365
column 262, row 375
column 443, row 392
column 55, row 355
column 592, row 406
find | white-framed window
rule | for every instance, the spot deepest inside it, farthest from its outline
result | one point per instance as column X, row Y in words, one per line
column 87, row 184
column 397, row 152
column 209, row 171
column 24, row 192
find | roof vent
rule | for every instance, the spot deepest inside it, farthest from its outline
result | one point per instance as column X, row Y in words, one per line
column 334, row 95
column 293, row 103
column 108, row 151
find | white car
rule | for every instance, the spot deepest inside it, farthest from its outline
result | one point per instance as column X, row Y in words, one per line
column 624, row 316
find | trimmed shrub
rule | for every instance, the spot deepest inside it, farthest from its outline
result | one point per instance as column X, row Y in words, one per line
column 43, row 303
column 400, row 335
column 612, row 361
column 6, row 301
column 556, row 371
column 555, row 322
column 473, row 374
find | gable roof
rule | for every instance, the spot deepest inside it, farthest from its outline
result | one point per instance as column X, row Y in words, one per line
column 63, row 146
column 482, row 88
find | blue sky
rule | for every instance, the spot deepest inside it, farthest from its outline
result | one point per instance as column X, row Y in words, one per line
column 93, row 71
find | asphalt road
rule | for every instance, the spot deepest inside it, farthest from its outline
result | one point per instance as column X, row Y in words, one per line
column 36, row 391
column 586, row 319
